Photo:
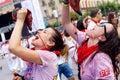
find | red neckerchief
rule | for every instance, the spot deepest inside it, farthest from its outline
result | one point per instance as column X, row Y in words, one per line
column 44, row 49
column 83, row 30
column 56, row 52
column 96, row 22
column 84, row 51
column 33, row 48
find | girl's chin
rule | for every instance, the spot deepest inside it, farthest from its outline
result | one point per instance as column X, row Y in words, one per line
column 32, row 43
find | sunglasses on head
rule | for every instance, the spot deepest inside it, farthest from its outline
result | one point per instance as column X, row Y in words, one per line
column 99, row 11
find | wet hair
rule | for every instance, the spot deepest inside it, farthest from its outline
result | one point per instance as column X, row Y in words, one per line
column 59, row 43
column 111, row 47
column 94, row 12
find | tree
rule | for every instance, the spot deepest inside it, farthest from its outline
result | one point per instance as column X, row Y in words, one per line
column 108, row 7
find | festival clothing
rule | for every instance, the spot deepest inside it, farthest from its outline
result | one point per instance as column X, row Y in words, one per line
column 46, row 71
column 72, row 50
column 92, row 24
column 100, row 67
column 72, row 54
column 14, row 64
column 84, row 51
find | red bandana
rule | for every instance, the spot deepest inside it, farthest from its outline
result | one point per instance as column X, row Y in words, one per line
column 84, row 51
column 95, row 21
column 56, row 52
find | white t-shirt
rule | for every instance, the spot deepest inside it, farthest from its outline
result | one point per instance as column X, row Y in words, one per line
column 91, row 25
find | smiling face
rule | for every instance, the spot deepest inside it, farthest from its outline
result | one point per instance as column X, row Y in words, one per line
column 42, row 38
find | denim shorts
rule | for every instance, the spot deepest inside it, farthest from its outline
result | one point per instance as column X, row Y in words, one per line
column 66, row 70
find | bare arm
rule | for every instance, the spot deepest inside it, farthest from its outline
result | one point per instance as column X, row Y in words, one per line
column 66, row 23
column 15, row 41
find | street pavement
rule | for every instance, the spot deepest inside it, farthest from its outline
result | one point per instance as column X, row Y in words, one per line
column 6, row 74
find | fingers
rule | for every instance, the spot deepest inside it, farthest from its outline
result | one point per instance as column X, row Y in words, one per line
column 23, row 9
column 21, row 14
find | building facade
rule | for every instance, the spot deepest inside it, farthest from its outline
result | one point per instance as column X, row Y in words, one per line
column 48, row 6
column 51, row 9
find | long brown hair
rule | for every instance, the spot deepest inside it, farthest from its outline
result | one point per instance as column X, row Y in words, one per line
column 57, row 38
column 59, row 43
column 111, row 47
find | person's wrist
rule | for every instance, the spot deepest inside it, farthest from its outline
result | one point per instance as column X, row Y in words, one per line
column 20, row 21
column 65, row 3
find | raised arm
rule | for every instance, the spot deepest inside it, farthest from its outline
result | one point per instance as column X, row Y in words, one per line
column 15, row 41
column 66, row 22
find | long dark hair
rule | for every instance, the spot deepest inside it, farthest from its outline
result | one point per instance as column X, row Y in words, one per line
column 112, row 48
column 111, row 15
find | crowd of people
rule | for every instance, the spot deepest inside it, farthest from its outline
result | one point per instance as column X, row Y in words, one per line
column 98, row 46
column 90, row 49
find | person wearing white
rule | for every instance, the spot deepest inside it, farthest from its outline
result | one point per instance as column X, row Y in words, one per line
column 96, row 16
column 72, row 54
column 15, row 64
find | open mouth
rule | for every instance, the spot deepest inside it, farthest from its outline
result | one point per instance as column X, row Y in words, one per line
column 36, row 37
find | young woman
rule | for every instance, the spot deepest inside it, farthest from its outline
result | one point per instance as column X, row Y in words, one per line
column 96, row 54
column 42, row 62
column 112, row 19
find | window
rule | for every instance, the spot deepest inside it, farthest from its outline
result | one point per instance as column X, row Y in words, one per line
column 46, row 13
column 51, row 3
column 60, row 1
column 43, row 3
